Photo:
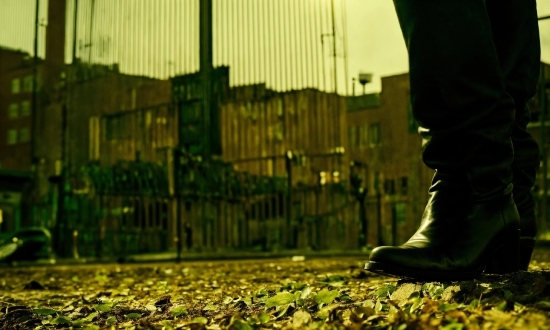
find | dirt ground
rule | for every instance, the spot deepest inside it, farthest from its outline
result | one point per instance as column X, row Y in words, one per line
column 267, row 294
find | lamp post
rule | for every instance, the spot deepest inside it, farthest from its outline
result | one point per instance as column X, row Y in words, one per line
column 360, row 195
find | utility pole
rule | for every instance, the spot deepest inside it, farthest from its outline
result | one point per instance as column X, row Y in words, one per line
column 206, row 67
column 288, row 165
column 34, row 86
column 334, row 50
column 75, row 21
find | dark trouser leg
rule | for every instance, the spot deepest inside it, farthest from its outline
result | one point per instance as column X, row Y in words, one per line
column 516, row 37
column 466, row 116
column 458, row 91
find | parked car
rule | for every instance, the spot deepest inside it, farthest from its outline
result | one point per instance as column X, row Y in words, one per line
column 26, row 244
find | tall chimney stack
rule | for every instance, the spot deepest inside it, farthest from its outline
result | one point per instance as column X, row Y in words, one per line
column 55, row 32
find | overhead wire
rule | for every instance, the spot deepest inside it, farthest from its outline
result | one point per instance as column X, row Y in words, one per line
column 288, row 60
column 267, row 40
column 345, row 40
column 251, row 46
column 314, row 67
column 278, row 65
column 300, row 49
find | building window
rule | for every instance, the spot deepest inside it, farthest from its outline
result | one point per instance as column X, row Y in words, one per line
column 279, row 108
column 374, row 135
column 94, row 137
column 13, row 110
column 400, row 212
column 389, row 187
column 24, row 135
column 15, row 85
column 27, row 83
column 279, row 131
column 25, row 108
column 404, row 185
column 12, row 136
column 363, row 136
column 352, row 131
column 117, row 128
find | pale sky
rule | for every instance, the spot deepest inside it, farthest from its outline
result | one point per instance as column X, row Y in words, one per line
column 374, row 42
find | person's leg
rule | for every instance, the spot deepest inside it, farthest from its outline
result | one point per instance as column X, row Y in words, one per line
column 459, row 98
column 516, row 37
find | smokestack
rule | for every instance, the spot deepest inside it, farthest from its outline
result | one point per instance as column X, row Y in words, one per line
column 55, row 32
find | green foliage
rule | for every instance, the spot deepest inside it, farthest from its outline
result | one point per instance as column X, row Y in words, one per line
column 44, row 311
column 61, row 320
column 264, row 318
column 210, row 307
column 433, row 290
column 105, row 308
column 473, row 304
column 200, row 320
column 416, row 303
column 280, row 299
column 385, row 291
column 178, row 311
column 241, row 325
column 325, row 296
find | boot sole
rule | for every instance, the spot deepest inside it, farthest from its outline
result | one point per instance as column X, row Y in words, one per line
column 423, row 275
column 502, row 260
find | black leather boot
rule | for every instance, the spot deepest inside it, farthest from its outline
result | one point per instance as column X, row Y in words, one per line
column 463, row 95
column 450, row 247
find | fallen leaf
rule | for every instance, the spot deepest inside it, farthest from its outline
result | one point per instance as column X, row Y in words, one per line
column 325, row 296
column 200, row 320
column 44, row 311
column 301, row 318
column 263, row 317
column 178, row 311
column 280, row 299
column 105, row 308
column 61, row 320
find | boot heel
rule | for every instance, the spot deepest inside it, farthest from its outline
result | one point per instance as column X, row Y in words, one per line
column 506, row 258
column 527, row 244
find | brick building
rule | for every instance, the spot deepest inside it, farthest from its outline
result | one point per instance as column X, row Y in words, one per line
column 25, row 120
column 385, row 151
